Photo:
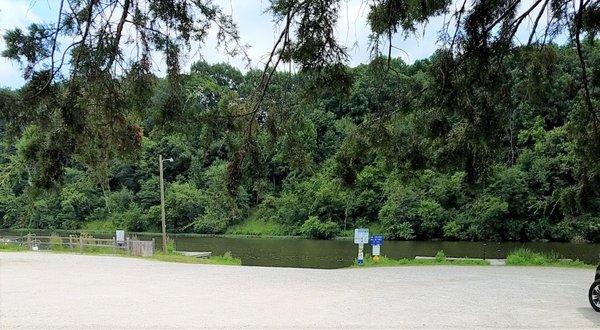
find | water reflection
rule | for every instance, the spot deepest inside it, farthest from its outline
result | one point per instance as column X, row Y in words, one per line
column 337, row 254
column 306, row 253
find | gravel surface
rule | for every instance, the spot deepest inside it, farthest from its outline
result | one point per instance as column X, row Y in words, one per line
column 69, row 291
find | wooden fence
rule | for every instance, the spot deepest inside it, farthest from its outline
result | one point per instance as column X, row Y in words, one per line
column 141, row 248
column 131, row 246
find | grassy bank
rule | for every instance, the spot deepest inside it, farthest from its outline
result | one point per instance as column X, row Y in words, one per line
column 526, row 257
column 225, row 259
column 6, row 247
column 440, row 259
column 170, row 256
column 258, row 228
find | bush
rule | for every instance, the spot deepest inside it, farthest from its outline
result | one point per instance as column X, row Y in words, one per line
column 487, row 218
column 452, row 230
column 210, row 223
column 398, row 215
column 258, row 226
column 432, row 217
column 221, row 208
column 99, row 226
column 56, row 243
column 286, row 209
column 526, row 257
column 134, row 219
column 12, row 209
column 440, row 256
column 538, row 229
column 399, row 230
column 183, row 203
column 314, row 228
column 170, row 245
column 562, row 231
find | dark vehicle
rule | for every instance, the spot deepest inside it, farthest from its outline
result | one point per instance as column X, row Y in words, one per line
column 594, row 293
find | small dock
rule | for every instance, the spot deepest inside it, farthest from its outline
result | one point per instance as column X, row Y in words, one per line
column 195, row 254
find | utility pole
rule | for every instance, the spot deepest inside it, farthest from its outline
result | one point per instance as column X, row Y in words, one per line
column 162, row 204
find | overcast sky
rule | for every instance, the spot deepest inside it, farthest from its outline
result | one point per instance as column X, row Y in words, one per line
column 256, row 29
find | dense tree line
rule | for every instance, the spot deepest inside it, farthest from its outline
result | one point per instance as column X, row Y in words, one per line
column 493, row 137
column 448, row 147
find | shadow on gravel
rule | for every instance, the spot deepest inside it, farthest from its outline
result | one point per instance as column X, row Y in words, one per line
column 590, row 314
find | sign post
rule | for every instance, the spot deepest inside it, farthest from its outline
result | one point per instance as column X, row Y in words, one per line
column 361, row 237
column 120, row 237
column 376, row 243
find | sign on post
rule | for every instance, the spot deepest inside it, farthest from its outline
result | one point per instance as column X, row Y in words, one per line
column 361, row 237
column 376, row 250
column 376, row 242
column 120, row 237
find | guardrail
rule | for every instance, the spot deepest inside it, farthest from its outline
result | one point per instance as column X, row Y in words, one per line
column 34, row 242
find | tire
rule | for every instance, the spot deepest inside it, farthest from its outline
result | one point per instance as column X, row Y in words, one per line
column 594, row 295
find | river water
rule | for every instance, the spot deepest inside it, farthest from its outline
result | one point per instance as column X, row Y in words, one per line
column 308, row 253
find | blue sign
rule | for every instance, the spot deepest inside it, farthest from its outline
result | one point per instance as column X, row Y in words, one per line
column 376, row 240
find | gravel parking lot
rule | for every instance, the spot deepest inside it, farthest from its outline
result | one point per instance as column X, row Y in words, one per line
column 69, row 291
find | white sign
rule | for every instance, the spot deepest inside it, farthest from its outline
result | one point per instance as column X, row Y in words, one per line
column 120, row 236
column 361, row 236
column 376, row 250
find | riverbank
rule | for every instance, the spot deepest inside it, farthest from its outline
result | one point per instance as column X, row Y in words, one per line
column 307, row 253
column 169, row 256
column 54, row 291
column 435, row 261
column 521, row 257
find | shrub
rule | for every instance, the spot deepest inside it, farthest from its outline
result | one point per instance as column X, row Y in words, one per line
column 432, row 217
column 591, row 228
column 286, row 209
column 398, row 215
column 440, row 256
column 210, row 223
column 221, row 207
column 183, row 203
column 12, row 209
column 562, row 231
column 399, row 230
column 56, row 243
column 529, row 257
column 538, row 229
column 132, row 218
column 526, row 257
column 487, row 218
column 314, row 228
column 170, row 245
column 452, row 230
